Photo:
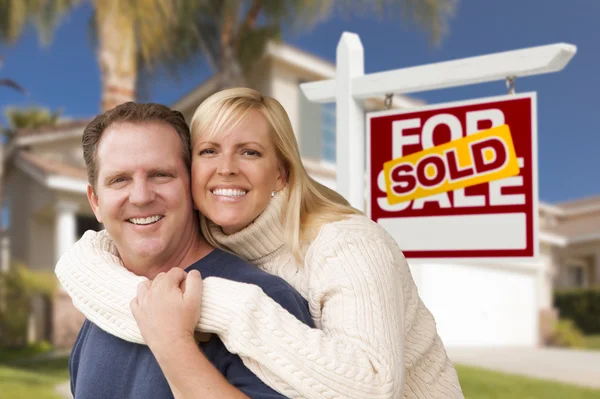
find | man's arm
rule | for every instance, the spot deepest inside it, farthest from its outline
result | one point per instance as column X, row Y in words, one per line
column 190, row 374
column 167, row 316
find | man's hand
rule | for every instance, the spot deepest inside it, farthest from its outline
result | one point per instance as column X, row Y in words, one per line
column 167, row 308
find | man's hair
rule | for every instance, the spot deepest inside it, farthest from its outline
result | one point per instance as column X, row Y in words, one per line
column 131, row 112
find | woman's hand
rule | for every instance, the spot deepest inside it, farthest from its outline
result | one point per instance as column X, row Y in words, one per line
column 167, row 308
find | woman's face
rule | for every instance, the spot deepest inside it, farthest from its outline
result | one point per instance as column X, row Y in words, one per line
column 233, row 176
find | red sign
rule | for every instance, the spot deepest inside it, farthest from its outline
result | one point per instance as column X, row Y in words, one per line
column 496, row 219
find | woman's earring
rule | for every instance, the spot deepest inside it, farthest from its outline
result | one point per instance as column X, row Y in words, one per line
column 273, row 193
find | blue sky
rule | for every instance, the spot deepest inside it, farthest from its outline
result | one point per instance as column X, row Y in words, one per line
column 65, row 74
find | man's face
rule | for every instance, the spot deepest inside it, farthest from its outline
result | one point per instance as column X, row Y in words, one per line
column 142, row 193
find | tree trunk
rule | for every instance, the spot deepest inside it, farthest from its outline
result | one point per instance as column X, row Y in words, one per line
column 3, row 147
column 4, row 257
column 117, row 58
column 230, row 73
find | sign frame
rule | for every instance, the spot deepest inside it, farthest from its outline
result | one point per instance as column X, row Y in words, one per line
column 535, row 257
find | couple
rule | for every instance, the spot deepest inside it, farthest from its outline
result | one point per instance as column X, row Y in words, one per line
column 165, row 271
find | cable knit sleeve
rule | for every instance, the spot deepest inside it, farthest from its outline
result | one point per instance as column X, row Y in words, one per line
column 355, row 297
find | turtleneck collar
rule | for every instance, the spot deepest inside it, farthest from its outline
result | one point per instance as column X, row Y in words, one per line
column 261, row 238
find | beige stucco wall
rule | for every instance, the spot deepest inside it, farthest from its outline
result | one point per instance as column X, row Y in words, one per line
column 549, row 269
column 30, row 219
column 18, row 190
column 41, row 244
column 285, row 89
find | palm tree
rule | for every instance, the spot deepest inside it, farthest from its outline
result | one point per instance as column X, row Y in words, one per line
column 232, row 34
column 125, row 32
column 5, row 135
column 9, row 83
column 134, row 35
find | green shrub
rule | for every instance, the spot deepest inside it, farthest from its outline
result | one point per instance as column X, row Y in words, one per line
column 567, row 335
column 18, row 287
column 8, row 356
column 582, row 306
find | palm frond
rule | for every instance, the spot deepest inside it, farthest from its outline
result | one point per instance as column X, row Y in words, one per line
column 31, row 117
column 43, row 14
column 432, row 16
column 13, row 85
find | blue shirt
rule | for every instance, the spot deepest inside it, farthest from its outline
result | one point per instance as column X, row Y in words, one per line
column 104, row 366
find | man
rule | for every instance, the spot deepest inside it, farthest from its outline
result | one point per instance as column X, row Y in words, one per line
column 138, row 160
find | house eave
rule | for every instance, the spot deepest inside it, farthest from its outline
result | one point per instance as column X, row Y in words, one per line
column 52, row 181
column 21, row 141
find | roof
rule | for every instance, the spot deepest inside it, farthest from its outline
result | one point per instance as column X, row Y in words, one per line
column 59, row 127
column 290, row 55
column 53, row 167
column 573, row 221
column 573, row 227
column 587, row 202
column 47, row 134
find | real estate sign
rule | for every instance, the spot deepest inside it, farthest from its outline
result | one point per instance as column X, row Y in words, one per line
column 457, row 180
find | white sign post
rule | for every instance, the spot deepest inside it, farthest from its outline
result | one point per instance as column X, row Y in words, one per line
column 352, row 85
column 488, row 316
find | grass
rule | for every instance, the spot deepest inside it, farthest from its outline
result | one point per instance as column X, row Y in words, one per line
column 483, row 384
column 37, row 379
column 592, row 342
column 8, row 355
column 33, row 379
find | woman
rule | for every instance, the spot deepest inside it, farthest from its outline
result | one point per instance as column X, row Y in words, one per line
column 375, row 337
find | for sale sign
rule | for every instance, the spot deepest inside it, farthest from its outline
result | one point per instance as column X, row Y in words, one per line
column 457, row 180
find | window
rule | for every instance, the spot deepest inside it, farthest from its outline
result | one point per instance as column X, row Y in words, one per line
column 576, row 275
column 328, row 130
column 85, row 223
column 5, row 216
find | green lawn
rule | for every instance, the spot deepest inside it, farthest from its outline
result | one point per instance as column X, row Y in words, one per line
column 33, row 380
column 9, row 355
column 483, row 384
column 592, row 342
column 38, row 380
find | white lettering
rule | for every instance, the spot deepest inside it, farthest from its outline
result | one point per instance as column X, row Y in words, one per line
column 399, row 140
column 474, row 117
column 496, row 196
column 451, row 121
column 442, row 199
column 462, row 200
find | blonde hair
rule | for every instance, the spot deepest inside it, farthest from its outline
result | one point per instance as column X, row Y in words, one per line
column 310, row 204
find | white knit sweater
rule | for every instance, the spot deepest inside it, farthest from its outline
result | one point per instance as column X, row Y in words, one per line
column 374, row 338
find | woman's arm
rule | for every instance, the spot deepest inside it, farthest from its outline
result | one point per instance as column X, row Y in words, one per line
column 101, row 288
column 355, row 292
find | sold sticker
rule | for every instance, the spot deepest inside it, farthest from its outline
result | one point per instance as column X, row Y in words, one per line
column 478, row 158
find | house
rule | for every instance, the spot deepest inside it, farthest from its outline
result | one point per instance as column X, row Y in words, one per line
column 46, row 190
column 46, row 177
column 571, row 232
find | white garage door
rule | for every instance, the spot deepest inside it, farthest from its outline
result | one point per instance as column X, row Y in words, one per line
column 480, row 306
